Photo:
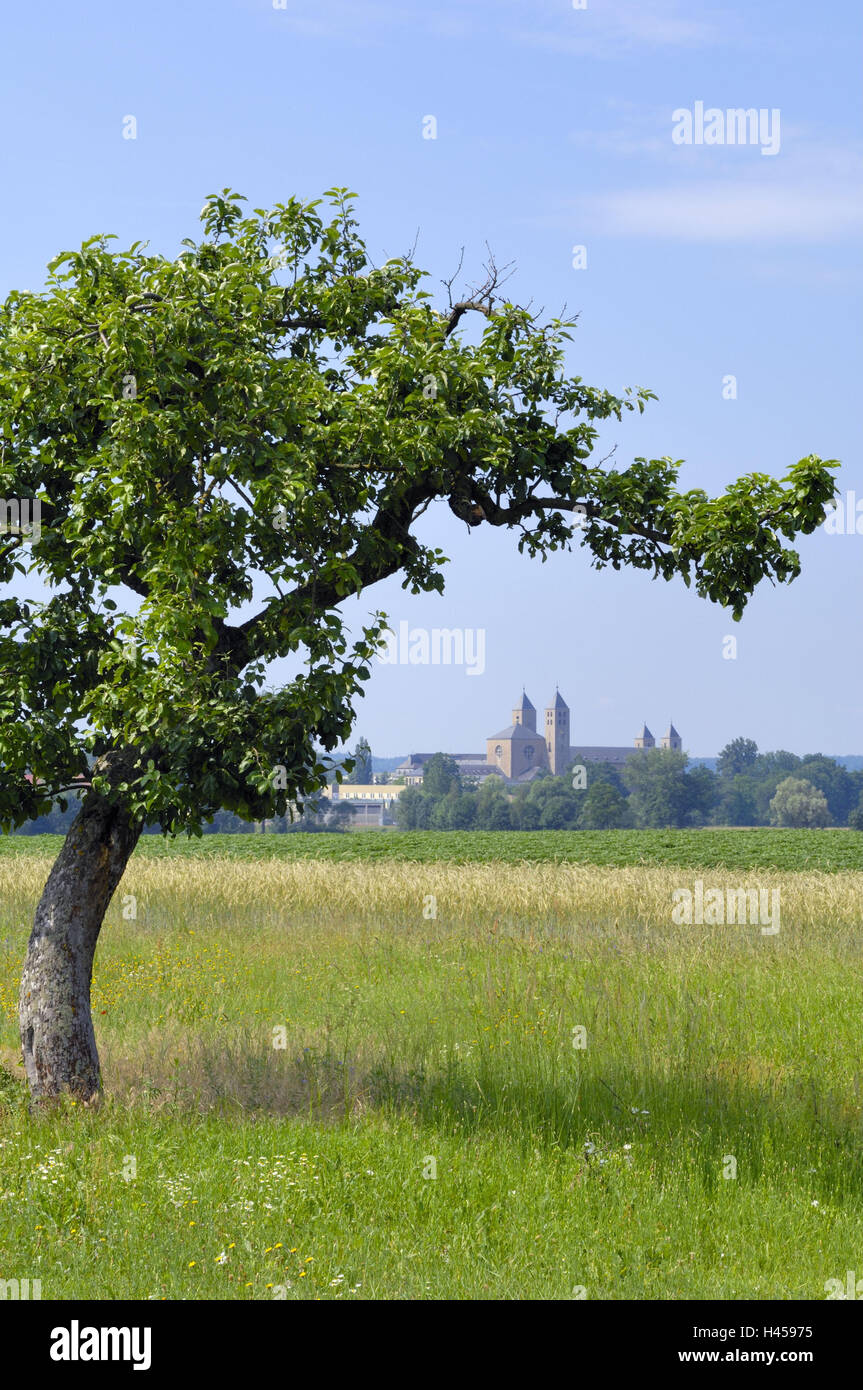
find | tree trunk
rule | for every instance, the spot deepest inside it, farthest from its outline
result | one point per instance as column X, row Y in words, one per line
column 56, row 1025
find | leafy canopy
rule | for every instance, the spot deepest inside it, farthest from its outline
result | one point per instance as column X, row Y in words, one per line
column 227, row 444
column 799, row 804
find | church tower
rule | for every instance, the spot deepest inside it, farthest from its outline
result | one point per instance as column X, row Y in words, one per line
column 524, row 713
column 672, row 739
column 557, row 734
column 645, row 739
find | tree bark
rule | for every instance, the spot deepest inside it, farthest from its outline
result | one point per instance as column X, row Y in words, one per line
column 56, row 1024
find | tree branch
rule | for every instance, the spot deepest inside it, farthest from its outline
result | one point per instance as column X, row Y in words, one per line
column 241, row 644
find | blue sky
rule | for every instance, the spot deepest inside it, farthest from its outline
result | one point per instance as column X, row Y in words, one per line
column 554, row 129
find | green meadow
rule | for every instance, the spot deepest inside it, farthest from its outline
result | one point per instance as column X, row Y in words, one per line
column 709, row 848
column 449, row 1066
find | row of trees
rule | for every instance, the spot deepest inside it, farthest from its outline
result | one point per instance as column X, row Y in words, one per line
column 657, row 788
column 748, row 781
column 320, row 815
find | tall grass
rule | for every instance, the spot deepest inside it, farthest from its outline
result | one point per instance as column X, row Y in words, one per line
column 290, row 1046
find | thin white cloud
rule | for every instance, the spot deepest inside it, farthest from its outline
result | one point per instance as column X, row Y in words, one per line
column 605, row 29
column 616, row 27
column 729, row 211
column 663, row 24
column 354, row 21
column 638, row 131
column 811, row 194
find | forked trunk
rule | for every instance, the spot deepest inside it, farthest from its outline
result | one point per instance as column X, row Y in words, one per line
column 56, row 1025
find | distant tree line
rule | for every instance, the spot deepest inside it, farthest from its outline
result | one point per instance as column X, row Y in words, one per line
column 325, row 815
column 656, row 788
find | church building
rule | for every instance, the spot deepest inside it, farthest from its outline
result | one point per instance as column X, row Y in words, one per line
column 520, row 750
